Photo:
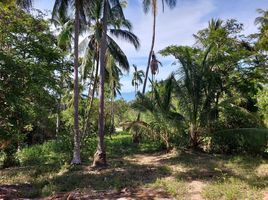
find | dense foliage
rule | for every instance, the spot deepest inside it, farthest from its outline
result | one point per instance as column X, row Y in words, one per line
column 31, row 66
column 215, row 100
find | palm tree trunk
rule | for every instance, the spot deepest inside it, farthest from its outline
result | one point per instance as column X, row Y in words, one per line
column 100, row 155
column 76, row 151
column 92, row 94
column 151, row 50
column 136, row 136
column 193, row 135
column 94, row 87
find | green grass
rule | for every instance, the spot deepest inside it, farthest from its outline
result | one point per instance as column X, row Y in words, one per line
column 45, row 170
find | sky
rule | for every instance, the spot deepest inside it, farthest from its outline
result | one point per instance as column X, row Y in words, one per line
column 174, row 27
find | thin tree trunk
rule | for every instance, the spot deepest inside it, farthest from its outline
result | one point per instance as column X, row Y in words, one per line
column 100, row 155
column 88, row 112
column 89, row 96
column 151, row 50
column 136, row 136
column 76, row 151
column 193, row 135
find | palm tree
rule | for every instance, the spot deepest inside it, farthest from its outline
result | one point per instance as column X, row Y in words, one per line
column 118, row 27
column 81, row 7
column 108, row 8
column 137, row 78
column 164, row 121
column 146, row 7
column 100, row 155
column 190, row 87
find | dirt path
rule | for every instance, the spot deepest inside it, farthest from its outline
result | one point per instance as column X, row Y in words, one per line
column 194, row 187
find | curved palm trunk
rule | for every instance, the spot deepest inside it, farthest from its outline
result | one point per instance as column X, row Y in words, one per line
column 100, row 155
column 91, row 96
column 151, row 50
column 76, row 152
column 137, row 136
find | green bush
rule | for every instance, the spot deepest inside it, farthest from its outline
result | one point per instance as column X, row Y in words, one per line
column 55, row 152
column 251, row 140
column 234, row 117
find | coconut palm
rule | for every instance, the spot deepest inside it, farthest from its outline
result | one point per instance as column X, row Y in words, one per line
column 81, row 7
column 147, row 5
column 117, row 26
column 137, row 78
column 109, row 8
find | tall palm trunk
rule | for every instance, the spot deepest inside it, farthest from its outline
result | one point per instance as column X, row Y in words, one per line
column 100, row 155
column 136, row 136
column 91, row 97
column 76, row 151
column 94, row 86
column 152, row 47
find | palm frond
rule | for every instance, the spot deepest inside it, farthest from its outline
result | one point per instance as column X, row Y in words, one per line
column 126, row 35
column 118, row 54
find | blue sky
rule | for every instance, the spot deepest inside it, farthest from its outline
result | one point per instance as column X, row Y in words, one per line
column 175, row 27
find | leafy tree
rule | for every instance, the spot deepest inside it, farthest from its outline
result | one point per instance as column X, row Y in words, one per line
column 30, row 70
column 262, row 103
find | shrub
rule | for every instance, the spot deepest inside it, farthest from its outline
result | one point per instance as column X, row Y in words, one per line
column 51, row 152
column 251, row 140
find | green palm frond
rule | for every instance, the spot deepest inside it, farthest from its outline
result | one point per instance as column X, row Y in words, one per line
column 60, row 10
column 143, row 103
column 117, row 11
column 127, row 36
column 65, row 36
column 118, row 54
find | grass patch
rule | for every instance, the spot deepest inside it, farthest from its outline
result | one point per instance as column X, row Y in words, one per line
column 231, row 188
column 177, row 188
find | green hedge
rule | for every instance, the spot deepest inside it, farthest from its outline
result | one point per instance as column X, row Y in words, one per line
column 251, row 140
